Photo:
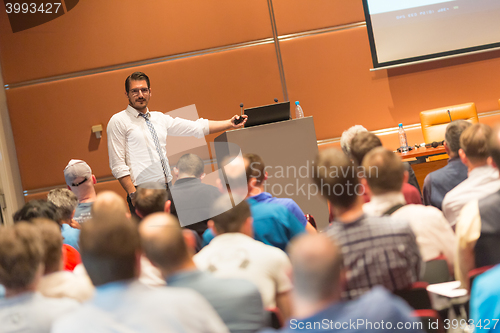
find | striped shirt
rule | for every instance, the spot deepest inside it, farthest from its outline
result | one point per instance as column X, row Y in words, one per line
column 376, row 251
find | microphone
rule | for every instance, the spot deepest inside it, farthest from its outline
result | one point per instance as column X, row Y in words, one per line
column 434, row 144
column 275, row 100
column 449, row 115
column 240, row 119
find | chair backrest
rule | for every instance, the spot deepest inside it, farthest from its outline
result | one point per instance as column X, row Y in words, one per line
column 416, row 296
column 473, row 274
column 434, row 121
column 436, row 271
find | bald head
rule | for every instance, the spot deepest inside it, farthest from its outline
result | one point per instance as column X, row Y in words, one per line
column 163, row 241
column 109, row 206
column 316, row 266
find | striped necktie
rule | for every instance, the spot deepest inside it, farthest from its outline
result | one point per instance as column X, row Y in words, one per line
column 157, row 144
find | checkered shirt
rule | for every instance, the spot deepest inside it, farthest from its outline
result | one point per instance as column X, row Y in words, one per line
column 376, row 251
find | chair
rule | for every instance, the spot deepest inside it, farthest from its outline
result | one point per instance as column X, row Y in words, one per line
column 434, row 121
column 473, row 274
column 436, row 271
column 416, row 296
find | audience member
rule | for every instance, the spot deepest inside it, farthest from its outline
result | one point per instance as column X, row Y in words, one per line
column 193, row 199
column 346, row 142
column 80, row 181
column 21, row 268
column 235, row 254
column 485, row 301
column 237, row 301
column 376, row 250
column 362, row 144
column 483, row 179
column 110, row 255
column 151, row 198
column 273, row 224
column 478, row 226
column 384, row 177
column 43, row 209
column 442, row 181
column 66, row 203
column 256, row 176
column 318, row 278
column 56, row 282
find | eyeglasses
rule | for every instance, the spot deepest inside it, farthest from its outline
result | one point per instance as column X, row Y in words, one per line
column 135, row 92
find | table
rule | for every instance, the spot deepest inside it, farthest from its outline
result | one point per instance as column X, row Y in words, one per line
column 421, row 154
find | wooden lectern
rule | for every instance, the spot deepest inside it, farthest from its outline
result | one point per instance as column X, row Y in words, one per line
column 288, row 149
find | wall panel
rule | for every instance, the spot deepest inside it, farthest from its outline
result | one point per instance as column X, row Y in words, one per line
column 52, row 121
column 302, row 15
column 100, row 33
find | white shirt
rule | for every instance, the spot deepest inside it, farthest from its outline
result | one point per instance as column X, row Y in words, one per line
column 235, row 255
column 482, row 181
column 32, row 313
column 66, row 284
column 131, row 307
column 433, row 232
column 132, row 150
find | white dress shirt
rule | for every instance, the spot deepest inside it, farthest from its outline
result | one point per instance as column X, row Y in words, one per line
column 235, row 255
column 132, row 150
column 482, row 181
column 432, row 230
column 66, row 284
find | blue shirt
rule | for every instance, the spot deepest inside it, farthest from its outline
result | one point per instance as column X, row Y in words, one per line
column 238, row 302
column 291, row 205
column 273, row 224
column 485, row 301
column 72, row 235
column 365, row 314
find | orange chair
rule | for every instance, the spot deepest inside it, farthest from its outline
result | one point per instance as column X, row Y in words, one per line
column 434, row 121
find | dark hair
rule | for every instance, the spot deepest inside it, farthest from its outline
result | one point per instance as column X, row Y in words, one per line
column 52, row 243
column 474, row 142
column 38, row 208
column 494, row 146
column 453, row 132
column 109, row 249
column 361, row 144
column 136, row 76
column 21, row 253
column 150, row 200
column 191, row 164
column 232, row 219
column 255, row 168
column 383, row 170
column 336, row 176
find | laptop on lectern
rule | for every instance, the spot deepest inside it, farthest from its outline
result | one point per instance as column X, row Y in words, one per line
column 268, row 114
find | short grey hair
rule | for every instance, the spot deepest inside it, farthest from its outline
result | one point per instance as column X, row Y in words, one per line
column 348, row 135
column 65, row 201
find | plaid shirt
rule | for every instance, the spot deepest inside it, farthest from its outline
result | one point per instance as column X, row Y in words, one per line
column 376, row 251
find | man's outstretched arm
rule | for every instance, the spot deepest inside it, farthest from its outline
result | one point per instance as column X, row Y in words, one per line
column 215, row 126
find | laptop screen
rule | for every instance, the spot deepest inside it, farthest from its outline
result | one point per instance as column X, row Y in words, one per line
column 268, row 114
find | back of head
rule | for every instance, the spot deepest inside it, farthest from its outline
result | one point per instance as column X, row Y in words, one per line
column 347, row 135
column 21, row 254
column 254, row 167
column 52, row 243
column 494, row 146
column 361, row 144
column 108, row 206
column 65, row 201
column 163, row 241
column 453, row 132
column 190, row 165
column 316, row 267
column 150, row 198
column 336, row 176
column 383, row 171
column 474, row 142
column 109, row 250
column 78, row 176
column 38, row 208
column 233, row 218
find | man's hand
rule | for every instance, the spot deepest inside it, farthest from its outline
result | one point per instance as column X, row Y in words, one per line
column 75, row 225
column 238, row 121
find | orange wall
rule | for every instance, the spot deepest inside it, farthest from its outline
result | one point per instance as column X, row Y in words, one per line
column 67, row 75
